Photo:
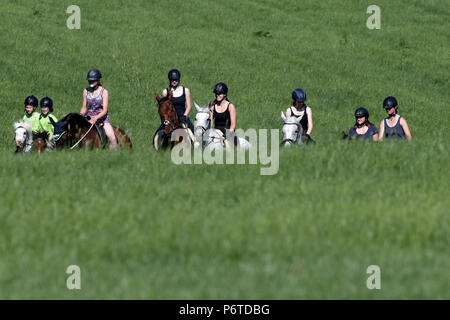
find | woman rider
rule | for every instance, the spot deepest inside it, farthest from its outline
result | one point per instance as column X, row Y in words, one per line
column 394, row 126
column 181, row 98
column 363, row 128
column 223, row 112
column 95, row 105
column 298, row 109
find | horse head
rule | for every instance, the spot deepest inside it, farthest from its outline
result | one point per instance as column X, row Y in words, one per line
column 167, row 113
column 40, row 141
column 292, row 130
column 22, row 137
column 202, row 121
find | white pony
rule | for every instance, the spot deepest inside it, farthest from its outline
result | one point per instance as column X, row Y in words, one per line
column 202, row 123
column 23, row 137
column 292, row 130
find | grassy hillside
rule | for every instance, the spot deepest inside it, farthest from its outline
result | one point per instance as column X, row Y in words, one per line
column 141, row 227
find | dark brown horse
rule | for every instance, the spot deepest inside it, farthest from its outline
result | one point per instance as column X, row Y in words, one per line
column 169, row 123
column 40, row 142
column 74, row 130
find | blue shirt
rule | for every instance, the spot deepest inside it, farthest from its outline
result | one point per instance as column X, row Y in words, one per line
column 368, row 135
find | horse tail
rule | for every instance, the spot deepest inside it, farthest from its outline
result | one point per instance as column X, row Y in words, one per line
column 124, row 140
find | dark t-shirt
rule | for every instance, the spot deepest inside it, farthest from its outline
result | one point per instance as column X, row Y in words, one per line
column 368, row 135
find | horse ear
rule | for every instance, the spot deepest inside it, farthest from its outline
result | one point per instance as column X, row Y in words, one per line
column 196, row 106
column 298, row 119
column 283, row 116
column 157, row 97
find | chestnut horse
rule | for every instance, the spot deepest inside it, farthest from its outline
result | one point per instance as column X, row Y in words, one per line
column 169, row 123
column 75, row 130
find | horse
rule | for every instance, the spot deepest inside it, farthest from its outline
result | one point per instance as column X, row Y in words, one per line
column 169, row 122
column 40, row 142
column 202, row 123
column 23, row 138
column 75, row 130
column 292, row 131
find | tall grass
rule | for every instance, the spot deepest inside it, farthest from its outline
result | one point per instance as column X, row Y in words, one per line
column 141, row 227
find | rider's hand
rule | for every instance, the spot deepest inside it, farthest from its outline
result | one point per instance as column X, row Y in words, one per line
column 92, row 120
column 184, row 119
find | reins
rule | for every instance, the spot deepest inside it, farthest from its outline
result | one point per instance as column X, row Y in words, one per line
column 71, row 148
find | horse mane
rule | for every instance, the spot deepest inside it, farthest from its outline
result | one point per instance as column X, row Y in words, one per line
column 41, row 135
column 26, row 124
column 75, row 118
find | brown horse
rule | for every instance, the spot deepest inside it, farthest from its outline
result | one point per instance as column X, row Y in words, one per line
column 169, row 123
column 75, row 130
column 40, row 142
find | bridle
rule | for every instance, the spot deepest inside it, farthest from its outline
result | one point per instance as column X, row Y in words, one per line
column 202, row 127
column 167, row 122
column 27, row 143
column 296, row 133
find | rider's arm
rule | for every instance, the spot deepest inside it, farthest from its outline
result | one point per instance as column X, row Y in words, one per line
column 288, row 112
column 211, row 114
column 310, row 121
column 188, row 102
column 164, row 93
column 83, row 106
column 232, row 110
column 405, row 127
column 381, row 134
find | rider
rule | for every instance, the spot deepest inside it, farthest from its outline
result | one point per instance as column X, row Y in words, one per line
column 95, row 105
column 31, row 103
column 181, row 98
column 393, row 125
column 223, row 112
column 363, row 128
column 298, row 109
column 45, row 124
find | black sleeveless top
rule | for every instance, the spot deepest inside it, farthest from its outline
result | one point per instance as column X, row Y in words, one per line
column 179, row 102
column 222, row 120
column 303, row 121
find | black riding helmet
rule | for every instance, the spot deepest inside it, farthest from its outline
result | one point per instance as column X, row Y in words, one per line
column 31, row 101
column 299, row 95
column 47, row 102
column 362, row 112
column 389, row 102
column 174, row 74
column 220, row 88
column 94, row 75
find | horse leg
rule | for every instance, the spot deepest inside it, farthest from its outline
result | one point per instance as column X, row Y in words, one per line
column 124, row 140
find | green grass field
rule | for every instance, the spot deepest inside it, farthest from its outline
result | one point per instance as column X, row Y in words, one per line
column 141, row 227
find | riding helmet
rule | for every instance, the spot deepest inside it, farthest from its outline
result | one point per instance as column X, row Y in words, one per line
column 94, row 75
column 362, row 112
column 31, row 101
column 220, row 88
column 47, row 102
column 174, row 74
column 299, row 95
column 389, row 102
